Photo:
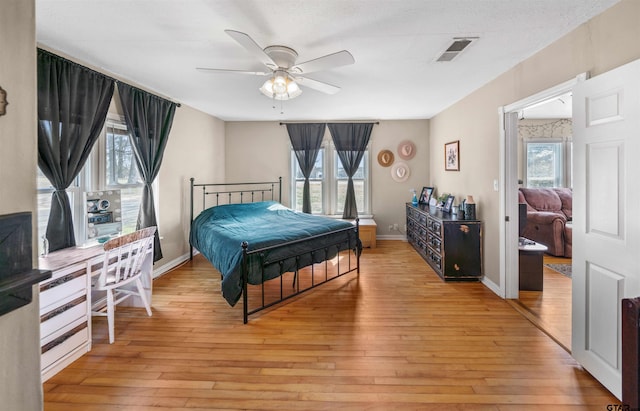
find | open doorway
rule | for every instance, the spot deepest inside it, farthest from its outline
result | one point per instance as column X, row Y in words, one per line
column 545, row 195
column 538, row 158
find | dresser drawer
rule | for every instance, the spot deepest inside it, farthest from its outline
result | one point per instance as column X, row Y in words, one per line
column 435, row 227
column 65, row 283
column 64, row 344
column 422, row 232
column 435, row 260
column 422, row 246
column 63, row 315
column 411, row 224
column 435, row 243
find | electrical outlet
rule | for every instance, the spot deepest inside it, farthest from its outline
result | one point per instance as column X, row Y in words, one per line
column 395, row 227
column 390, row 227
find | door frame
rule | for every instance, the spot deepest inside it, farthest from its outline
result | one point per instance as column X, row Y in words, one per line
column 508, row 183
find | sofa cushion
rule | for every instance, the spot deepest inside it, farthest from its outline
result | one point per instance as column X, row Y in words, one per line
column 542, row 199
column 566, row 197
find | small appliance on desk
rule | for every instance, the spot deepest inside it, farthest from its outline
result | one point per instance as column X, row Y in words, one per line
column 104, row 214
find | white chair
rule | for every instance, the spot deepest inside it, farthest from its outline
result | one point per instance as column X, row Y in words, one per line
column 122, row 264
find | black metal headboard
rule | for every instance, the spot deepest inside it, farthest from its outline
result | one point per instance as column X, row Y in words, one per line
column 234, row 193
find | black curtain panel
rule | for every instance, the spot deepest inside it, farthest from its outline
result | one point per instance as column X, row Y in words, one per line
column 149, row 119
column 306, row 139
column 72, row 107
column 351, row 140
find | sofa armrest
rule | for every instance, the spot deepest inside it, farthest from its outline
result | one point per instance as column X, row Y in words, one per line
column 544, row 217
column 546, row 227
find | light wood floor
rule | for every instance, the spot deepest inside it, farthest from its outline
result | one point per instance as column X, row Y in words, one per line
column 550, row 309
column 396, row 338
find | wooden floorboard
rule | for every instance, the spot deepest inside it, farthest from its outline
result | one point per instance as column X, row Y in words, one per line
column 550, row 309
column 394, row 338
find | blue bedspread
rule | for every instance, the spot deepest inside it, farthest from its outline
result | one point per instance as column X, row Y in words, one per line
column 218, row 233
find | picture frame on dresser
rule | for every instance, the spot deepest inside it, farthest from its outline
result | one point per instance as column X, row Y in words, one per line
column 446, row 208
column 425, row 195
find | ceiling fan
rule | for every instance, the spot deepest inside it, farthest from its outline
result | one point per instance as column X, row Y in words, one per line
column 284, row 74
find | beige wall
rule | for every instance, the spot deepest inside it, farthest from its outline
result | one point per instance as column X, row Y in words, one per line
column 388, row 196
column 195, row 149
column 261, row 150
column 605, row 42
column 20, row 384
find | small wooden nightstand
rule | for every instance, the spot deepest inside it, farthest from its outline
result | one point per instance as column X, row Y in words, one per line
column 367, row 232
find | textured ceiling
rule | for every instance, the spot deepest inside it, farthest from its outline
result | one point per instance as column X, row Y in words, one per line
column 159, row 43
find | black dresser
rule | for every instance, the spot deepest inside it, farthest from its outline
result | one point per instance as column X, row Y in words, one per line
column 452, row 247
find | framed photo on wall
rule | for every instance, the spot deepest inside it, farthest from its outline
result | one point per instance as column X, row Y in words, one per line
column 425, row 196
column 452, row 156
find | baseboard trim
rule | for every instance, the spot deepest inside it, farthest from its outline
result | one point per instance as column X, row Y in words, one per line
column 492, row 286
column 170, row 265
column 401, row 237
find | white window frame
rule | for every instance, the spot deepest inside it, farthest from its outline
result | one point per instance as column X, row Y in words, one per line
column 330, row 182
column 565, row 156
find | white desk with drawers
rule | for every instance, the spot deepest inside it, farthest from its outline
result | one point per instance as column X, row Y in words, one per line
column 65, row 305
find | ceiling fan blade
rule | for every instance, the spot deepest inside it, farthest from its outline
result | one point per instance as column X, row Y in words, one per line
column 247, row 42
column 340, row 58
column 214, row 70
column 317, row 85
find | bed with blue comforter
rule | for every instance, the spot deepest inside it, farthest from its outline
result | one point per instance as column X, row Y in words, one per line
column 278, row 240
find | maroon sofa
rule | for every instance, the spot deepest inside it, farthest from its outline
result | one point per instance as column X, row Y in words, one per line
column 549, row 218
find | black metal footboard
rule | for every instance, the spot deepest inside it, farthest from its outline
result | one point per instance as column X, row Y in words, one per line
column 334, row 245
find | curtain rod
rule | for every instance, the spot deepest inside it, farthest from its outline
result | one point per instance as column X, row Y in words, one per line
column 335, row 122
column 102, row 74
column 145, row 91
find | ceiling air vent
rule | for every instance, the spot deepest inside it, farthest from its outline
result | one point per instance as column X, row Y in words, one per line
column 459, row 44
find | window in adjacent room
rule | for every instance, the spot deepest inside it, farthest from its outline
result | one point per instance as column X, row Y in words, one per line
column 548, row 163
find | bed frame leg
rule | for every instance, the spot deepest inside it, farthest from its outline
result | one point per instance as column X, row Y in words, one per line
column 191, row 219
column 245, row 279
column 358, row 249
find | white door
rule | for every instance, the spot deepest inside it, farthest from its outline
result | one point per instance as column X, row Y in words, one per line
column 606, row 215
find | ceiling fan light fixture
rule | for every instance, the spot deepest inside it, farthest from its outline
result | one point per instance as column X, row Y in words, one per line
column 280, row 87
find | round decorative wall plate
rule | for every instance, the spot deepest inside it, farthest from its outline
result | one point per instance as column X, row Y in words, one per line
column 385, row 158
column 406, row 150
column 400, row 172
